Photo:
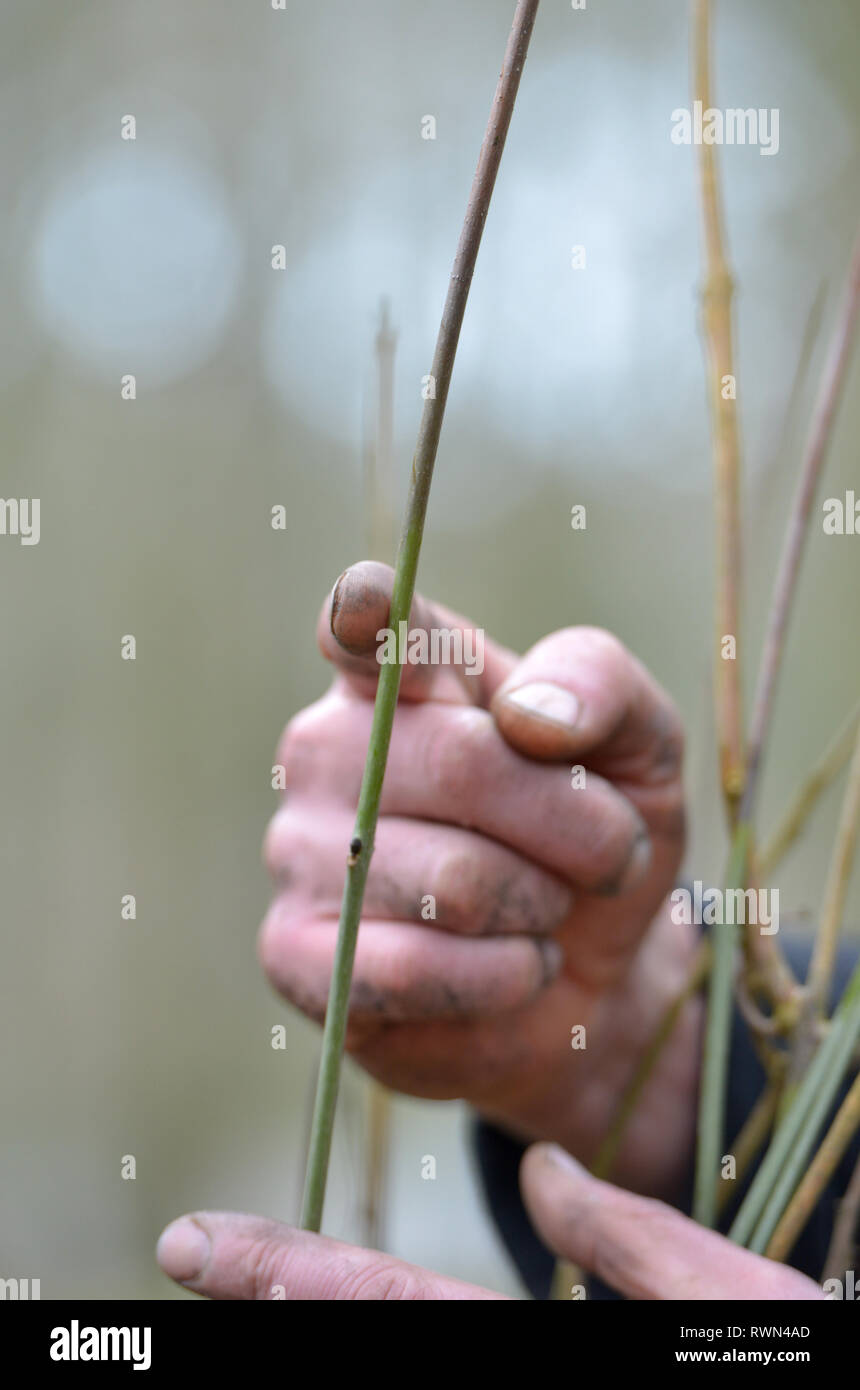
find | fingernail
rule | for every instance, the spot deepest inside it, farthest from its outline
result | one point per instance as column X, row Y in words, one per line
column 560, row 1158
column 546, row 701
column 183, row 1250
column 336, row 600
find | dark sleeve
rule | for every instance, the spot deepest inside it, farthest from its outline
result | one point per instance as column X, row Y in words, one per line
column 498, row 1158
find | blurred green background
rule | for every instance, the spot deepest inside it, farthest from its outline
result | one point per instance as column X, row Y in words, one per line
column 303, row 128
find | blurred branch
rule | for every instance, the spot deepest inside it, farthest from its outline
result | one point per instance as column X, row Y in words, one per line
column 379, row 479
column 766, row 971
column 817, row 1175
column 751, row 1139
column 608, row 1151
column 846, row 1229
column 717, row 297
column 799, row 1125
column 806, row 798
column 830, row 390
column 824, row 954
column 769, row 478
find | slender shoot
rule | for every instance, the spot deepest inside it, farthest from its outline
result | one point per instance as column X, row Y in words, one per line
column 361, row 846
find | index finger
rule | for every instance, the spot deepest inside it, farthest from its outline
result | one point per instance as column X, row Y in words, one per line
column 448, row 657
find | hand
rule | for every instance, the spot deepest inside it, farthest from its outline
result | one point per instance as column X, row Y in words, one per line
column 640, row 1247
column 549, row 899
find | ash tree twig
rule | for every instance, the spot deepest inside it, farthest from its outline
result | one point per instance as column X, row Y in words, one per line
column 361, row 847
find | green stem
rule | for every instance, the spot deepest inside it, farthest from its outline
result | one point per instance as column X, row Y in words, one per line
column 803, row 1146
column 715, row 1057
column 608, row 1151
column 406, row 567
column 795, row 1134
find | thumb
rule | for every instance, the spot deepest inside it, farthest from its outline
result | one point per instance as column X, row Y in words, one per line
column 643, row 1248
column 580, row 692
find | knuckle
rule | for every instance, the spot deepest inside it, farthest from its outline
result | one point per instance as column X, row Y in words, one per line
column 610, row 840
column 263, row 1263
column 287, row 845
column 383, row 1283
column 302, row 739
column 453, row 752
column 270, row 940
column 460, row 889
column 668, row 755
column 286, row 968
column 295, row 749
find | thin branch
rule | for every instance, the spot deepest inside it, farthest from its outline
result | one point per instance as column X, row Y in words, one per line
column 781, row 439
column 565, row 1273
column 361, row 846
column 798, row 1126
column 766, row 969
column 377, row 1107
column 830, row 391
column 750, row 1140
column 846, row 1229
column 820, row 971
column 379, row 474
column 791, row 825
column 827, row 937
column 608, row 1151
column 717, row 323
column 769, row 956
column 805, row 1199
column 715, row 1053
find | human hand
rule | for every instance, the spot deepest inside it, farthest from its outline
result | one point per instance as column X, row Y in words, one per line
column 548, row 899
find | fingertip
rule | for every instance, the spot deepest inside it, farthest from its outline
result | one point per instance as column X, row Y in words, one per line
column 548, row 1176
column 546, row 1157
column 539, row 719
column 183, row 1249
column 359, row 606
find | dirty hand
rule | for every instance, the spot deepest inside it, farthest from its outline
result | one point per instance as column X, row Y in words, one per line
column 515, row 947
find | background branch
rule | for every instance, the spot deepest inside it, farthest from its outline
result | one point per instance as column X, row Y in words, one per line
column 717, row 297
column 791, row 825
